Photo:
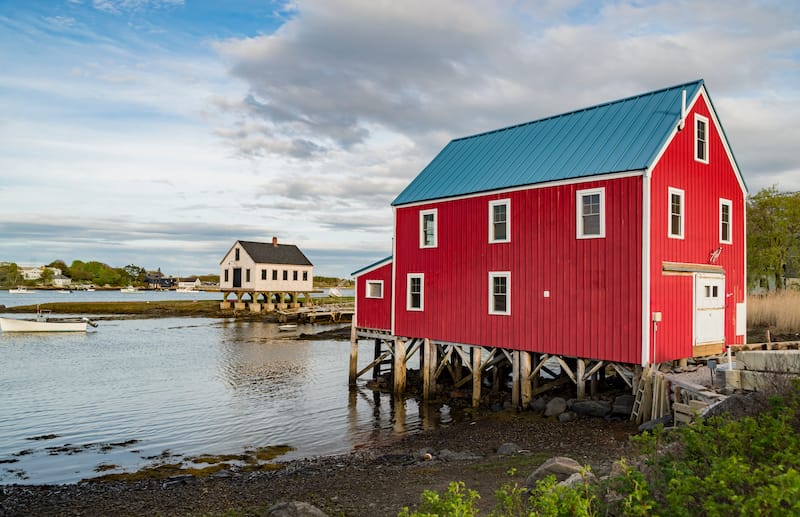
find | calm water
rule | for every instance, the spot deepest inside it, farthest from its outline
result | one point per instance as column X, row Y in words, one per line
column 133, row 389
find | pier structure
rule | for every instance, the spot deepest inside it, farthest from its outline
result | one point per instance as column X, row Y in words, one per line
column 463, row 366
column 264, row 301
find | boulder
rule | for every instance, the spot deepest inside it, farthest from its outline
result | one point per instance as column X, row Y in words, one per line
column 598, row 408
column 623, row 405
column 650, row 425
column 555, row 407
column 539, row 405
column 579, row 479
column 567, row 416
column 294, row 509
column 559, row 466
column 508, row 449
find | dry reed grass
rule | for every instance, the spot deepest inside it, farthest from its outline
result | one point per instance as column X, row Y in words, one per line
column 779, row 311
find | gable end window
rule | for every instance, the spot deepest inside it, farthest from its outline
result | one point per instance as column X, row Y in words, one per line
column 676, row 215
column 415, row 296
column 701, row 138
column 499, row 224
column 427, row 229
column 236, row 253
column 725, row 209
column 374, row 288
column 590, row 206
column 500, row 293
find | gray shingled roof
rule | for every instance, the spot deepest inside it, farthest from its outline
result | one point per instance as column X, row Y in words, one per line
column 268, row 253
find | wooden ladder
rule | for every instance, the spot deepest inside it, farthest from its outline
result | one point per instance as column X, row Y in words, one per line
column 644, row 386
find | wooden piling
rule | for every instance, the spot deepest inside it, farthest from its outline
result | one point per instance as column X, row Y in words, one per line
column 476, row 376
column 525, row 378
column 428, row 367
column 580, row 378
column 399, row 377
column 515, row 381
column 353, row 355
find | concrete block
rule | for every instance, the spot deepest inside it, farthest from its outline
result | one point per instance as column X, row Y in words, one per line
column 255, row 307
column 779, row 361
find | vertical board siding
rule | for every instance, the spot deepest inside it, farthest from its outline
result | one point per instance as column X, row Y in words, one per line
column 703, row 186
column 595, row 284
column 374, row 313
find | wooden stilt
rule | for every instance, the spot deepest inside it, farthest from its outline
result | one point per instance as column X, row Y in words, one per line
column 376, row 370
column 399, row 377
column 525, row 378
column 476, row 376
column 580, row 379
column 353, row 355
column 515, row 384
column 427, row 363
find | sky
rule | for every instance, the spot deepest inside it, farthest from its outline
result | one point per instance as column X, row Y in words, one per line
column 159, row 132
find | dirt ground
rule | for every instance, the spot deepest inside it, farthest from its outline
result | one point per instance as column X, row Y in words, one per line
column 374, row 482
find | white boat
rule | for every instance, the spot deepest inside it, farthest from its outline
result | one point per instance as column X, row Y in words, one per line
column 287, row 327
column 19, row 290
column 65, row 291
column 129, row 289
column 41, row 324
column 334, row 292
column 185, row 290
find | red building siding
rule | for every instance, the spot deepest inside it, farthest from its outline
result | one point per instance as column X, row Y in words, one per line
column 374, row 313
column 594, row 304
column 703, row 186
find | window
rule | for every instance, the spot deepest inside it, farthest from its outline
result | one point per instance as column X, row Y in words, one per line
column 294, row 275
column 499, row 227
column 305, row 276
column 591, row 217
column 274, row 274
column 701, row 138
column 246, row 275
column 236, row 252
column 285, row 275
column 416, row 292
column 725, row 208
column 500, row 293
column 263, row 274
column 427, row 227
column 226, row 275
column 676, row 213
column 374, row 288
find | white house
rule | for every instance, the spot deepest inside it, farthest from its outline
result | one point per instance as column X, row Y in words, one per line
column 265, row 268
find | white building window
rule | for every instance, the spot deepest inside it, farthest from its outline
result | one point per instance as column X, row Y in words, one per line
column 374, row 288
column 676, row 213
column 499, row 223
column 415, row 299
column 500, row 293
column 427, row 229
column 700, row 138
column 590, row 208
column 725, row 211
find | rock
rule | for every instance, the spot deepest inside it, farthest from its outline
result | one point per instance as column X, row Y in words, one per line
column 538, row 405
column 294, row 509
column 579, row 479
column 623, row 405
column 598, row 408
column 665, row 420
column 555, row 407
column 508, row 449
column 425, row 451
column 559, row 466
column 567, row 416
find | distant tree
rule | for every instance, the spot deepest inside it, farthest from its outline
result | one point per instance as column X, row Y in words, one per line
column 47, row 276
column 9, row 275
column 60, row 264
column 135, row 274
column 773, row 235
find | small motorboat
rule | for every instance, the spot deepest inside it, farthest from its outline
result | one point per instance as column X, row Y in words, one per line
column 41, row 324
column 129, row 289
column 20, row 290
column 287, row 327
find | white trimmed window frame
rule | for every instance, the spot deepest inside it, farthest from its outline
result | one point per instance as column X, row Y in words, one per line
column 435, row 236
column 409, row 278
column 370, row 284
column 722, row 222
column 580, row 232
column 507, row 276
column 700, row 119
column 499, row 202
column 672, row 191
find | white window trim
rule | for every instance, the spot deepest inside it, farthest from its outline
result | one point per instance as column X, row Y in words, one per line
column 422, row 215
column 680, row 193
column 492, row 204
column 370, row 282
column 507, row 276
column 701, row 118
column 729, row 204
column 421, row 277
column 579, row 233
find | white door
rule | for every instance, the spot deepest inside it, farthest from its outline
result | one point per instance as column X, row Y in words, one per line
column 709, row 309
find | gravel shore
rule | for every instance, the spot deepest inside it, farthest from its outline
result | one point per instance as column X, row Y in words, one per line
column 376, row 481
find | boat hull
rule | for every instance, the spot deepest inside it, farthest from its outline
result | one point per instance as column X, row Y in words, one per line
column 15, row 325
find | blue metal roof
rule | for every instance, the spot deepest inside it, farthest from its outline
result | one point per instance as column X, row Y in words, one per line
column 619, row 136
column 380, row 262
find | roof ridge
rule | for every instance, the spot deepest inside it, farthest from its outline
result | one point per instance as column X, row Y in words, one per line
column 579, row 110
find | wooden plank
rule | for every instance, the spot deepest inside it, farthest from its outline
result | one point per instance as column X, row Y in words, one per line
column 374, row 363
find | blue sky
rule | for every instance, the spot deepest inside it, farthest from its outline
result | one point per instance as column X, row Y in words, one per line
column 157, row 132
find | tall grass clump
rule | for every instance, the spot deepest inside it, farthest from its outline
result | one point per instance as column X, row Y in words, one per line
column 779, row 311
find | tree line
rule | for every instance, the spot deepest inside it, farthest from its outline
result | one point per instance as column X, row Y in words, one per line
column 93, row 272
column 773, row 238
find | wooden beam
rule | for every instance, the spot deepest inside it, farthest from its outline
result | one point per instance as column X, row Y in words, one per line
column 565, row 368
column 525, row 378
column 580, row 377
column 353, row 355
column 426, row 369
column 476, row 375
column 399, row 377
column 515, row 384
column 377, row 361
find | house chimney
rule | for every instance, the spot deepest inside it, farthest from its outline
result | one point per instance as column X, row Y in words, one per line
column 683, row 109
column 275, row 241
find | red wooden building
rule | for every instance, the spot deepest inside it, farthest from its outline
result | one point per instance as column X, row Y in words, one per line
column 614, row 234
